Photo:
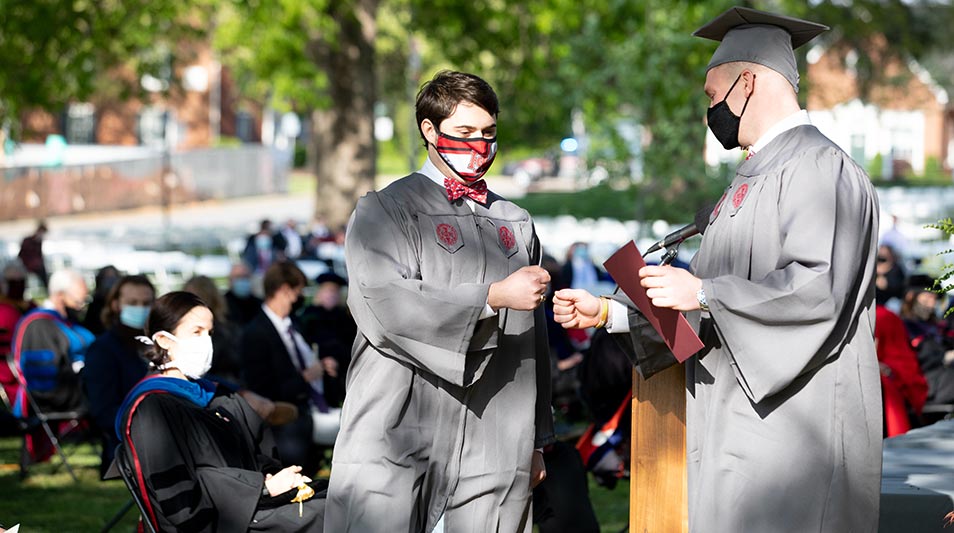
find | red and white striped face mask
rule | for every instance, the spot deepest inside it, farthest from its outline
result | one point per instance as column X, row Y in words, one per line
column 468, row 158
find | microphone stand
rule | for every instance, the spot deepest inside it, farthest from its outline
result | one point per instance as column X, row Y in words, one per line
column 669, row 256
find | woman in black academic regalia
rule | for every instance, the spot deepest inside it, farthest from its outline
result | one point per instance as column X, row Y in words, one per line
column 204, row 460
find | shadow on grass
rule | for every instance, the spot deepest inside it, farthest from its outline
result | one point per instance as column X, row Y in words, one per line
column 48, row 500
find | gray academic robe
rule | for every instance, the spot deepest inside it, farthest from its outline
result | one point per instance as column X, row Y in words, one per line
column 443, row 409
column 783, row 429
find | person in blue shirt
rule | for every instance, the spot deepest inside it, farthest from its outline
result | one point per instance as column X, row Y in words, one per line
column 114, row 362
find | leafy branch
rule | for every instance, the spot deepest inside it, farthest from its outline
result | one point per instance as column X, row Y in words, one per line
column 945, row 282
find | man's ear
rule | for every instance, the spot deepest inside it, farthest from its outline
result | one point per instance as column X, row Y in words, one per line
column 748, row 82
column 429, row 131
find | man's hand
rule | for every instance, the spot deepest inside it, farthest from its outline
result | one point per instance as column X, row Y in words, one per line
column 314, row 372
column 671, row 287
column 260, row 404
column 576, row 309
column 330, row 364
column 523, row 290
column 538, row 470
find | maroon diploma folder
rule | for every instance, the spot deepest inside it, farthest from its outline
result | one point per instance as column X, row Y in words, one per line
column 675, row 330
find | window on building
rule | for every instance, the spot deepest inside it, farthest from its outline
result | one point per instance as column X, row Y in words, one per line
column 244, row 126
column 152, row 126
column 902, row 152
column 858, row 148
column 80, row 123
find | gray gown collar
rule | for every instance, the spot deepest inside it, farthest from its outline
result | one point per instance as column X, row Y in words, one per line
column 775, row 154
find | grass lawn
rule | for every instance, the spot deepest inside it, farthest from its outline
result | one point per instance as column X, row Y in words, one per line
column 49, row 501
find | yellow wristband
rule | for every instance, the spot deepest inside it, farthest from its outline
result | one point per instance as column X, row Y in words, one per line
column 604, row 312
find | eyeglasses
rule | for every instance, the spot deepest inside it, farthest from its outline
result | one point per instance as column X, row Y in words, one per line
column 882, row 259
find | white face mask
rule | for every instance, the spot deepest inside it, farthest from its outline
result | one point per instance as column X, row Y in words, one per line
column 193, row 355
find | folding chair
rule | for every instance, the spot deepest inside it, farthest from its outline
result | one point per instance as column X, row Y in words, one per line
column 932, row 413
column 30, row 418
column 126, row 471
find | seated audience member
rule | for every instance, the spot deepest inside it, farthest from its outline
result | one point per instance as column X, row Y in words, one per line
column 293, row 242
column 903, row 387
column 566, row 353
column 931, row 339
column 204, row 459
column 242, row 304
column 890, row 276
column 51, row 348
column 13, row 287
column 114, row 362
column 12, row 305
column 227, row 364
column 263, row 248
column 579, row 271
column 328, row 325
column 280, row 366
column 106, row 277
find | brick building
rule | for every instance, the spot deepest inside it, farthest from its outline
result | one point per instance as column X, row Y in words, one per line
column 904, row 126
column 202, row 108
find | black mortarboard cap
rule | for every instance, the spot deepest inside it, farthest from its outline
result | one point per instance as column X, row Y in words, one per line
column 331, row 277
column 759, row 37
column 920, row 283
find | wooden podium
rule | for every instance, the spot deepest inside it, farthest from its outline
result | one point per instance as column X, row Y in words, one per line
column 658, row 498
column 658, row 495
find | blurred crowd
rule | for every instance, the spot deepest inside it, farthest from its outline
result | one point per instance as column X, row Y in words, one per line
column 280, row 339
column 915, row 342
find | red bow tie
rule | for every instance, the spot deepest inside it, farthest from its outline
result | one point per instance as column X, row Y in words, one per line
column 476, row 192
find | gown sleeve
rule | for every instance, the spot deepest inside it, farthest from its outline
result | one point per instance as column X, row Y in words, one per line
column 543, row 431
column 429, row 327
column 645, row 348
column 189, row 496
column 796, row 317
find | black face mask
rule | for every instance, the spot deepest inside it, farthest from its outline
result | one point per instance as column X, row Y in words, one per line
column 723, row 123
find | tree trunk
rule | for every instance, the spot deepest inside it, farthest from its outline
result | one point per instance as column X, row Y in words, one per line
column 343, row 134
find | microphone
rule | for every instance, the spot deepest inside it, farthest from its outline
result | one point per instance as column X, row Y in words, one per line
column 698, row 227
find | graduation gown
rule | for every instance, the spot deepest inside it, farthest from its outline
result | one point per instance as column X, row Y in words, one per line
column 204, row 467
column 443, row 409
column 783, row 429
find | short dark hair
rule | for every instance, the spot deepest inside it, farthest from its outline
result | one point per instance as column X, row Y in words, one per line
column 282, row 273
column 165, row 315
column 110, row 317
column 438, row 98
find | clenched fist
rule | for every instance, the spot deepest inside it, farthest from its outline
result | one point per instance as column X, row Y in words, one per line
column 523, row 290
column 576, row 309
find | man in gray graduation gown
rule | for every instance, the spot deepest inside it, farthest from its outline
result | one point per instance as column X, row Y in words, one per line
column 448, row 392
column 783, row 405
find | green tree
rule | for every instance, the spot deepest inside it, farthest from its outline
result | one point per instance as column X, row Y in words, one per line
column 315, row 57
column 615, row 62
column 55, row 52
